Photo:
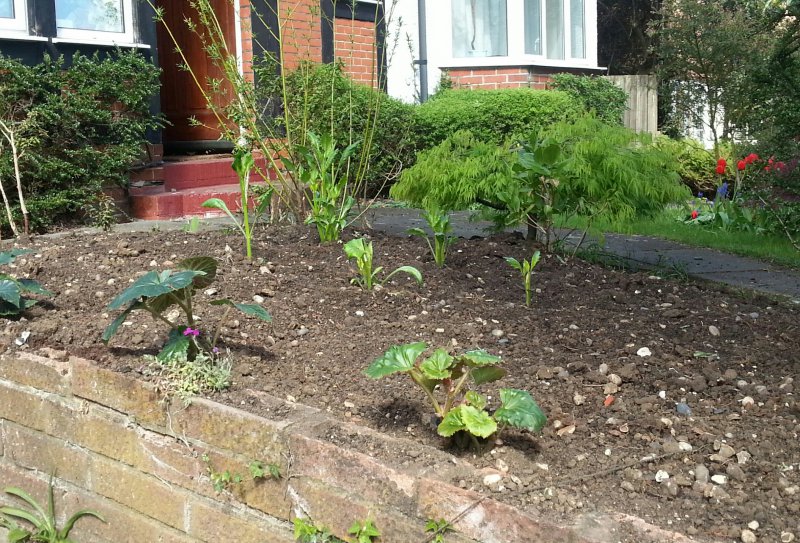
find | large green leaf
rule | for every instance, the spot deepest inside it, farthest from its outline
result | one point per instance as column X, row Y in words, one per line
column 252, row 310
column 18, row 535
column 153, row 284
column 10, row 292
column 451, row 423
column 417, row 232
column 476, row 400
column 514, row 263
column 399, row 358
column 112, row 328
column 519, row 409
column 205, row 264
column 410, row 270
column 7, row 257
column 176, row 344
column 465, row 417
column 479, row 358
column 486, row 374
column 437, row 366
column 357, row 248
column 478, row 422
column 29, row 285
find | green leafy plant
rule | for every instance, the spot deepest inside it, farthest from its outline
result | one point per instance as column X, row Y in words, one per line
column 156, row 292
column 525, row 268
column 43, row 526
column 243, row 164
column 361, row 251
column 102, row 212
column 13, row 299
column 306, row 532
column 439, row 223
column 220, row 480
column 322, row 167
column 438, row 528
column 258, row 470
column 192, row 226
column 364, row 531
column 462, row 410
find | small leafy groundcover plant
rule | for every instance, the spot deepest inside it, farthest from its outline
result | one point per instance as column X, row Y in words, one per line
column 463, row 410
column 12, row 290
column 43, row 527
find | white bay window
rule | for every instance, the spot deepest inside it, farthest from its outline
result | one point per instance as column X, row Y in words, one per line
column 549, row 32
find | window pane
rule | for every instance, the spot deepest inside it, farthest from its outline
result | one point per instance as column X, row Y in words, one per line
column 6, row 9
column 100, row 15
column 577, row 28
column 479, row 28
column 533, row 27
column 555, row 29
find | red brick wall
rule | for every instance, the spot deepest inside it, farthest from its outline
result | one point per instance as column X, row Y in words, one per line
column 301, row 39
column 354, row 43
column 247, row 39
column 497, row 78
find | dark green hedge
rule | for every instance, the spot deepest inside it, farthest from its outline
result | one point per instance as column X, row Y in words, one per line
column 491, row 116
column 597, row 94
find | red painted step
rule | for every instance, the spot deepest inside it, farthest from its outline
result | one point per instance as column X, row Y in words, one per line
column 187, row 184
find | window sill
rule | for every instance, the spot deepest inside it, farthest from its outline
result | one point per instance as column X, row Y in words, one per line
column 102, row 43
column 497, row 62
column 19, row 36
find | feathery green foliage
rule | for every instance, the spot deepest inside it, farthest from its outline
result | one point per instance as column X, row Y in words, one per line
column 455, row 174
column 585, row 167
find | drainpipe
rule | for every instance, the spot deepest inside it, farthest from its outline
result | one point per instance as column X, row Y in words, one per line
column 422, row 62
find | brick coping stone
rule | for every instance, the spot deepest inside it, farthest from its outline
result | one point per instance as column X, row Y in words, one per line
column 124, row 450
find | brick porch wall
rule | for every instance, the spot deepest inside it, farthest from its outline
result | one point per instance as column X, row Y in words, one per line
column 354, row 44
column 497, row 78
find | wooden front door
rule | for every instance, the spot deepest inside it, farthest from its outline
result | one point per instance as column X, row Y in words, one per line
column 181, row 99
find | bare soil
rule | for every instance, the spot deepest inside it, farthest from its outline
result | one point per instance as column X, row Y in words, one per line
column 729, row 357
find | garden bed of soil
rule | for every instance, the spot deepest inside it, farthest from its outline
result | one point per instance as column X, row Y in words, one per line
column 712, row 407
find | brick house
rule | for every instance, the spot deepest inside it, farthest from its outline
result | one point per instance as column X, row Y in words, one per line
column 488, row 43
column 400, row 46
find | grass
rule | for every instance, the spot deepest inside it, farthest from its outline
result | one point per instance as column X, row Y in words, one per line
column 774, row 249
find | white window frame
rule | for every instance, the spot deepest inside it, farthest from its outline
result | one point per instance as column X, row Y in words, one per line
column 125, row 37
column 440, row 44
column 20, row 21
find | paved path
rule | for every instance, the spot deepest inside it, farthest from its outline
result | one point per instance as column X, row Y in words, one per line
column 644, row 251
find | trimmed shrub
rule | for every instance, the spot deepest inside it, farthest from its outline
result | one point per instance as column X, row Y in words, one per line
column 84, row 124
column 597, row 94
column 694, row 163
column 492, row 116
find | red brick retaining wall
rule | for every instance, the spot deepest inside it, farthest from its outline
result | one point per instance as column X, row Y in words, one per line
column 497, row 78
column 118, row 449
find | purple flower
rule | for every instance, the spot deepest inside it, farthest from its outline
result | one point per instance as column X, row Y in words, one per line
column 191, row 332
column 215, row 350
column 722, row 191
column 699, row 194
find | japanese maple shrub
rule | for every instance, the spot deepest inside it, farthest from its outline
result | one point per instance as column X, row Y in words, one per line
column 446, row 381
column 156, row 292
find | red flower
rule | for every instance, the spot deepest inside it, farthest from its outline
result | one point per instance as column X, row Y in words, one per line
column 741, row 165
column 780, row 166
column 721, row 162
column 694, row 214
column 720, row 169
column 752, row 157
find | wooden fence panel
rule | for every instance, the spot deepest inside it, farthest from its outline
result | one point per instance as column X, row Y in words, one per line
column 642, row 112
